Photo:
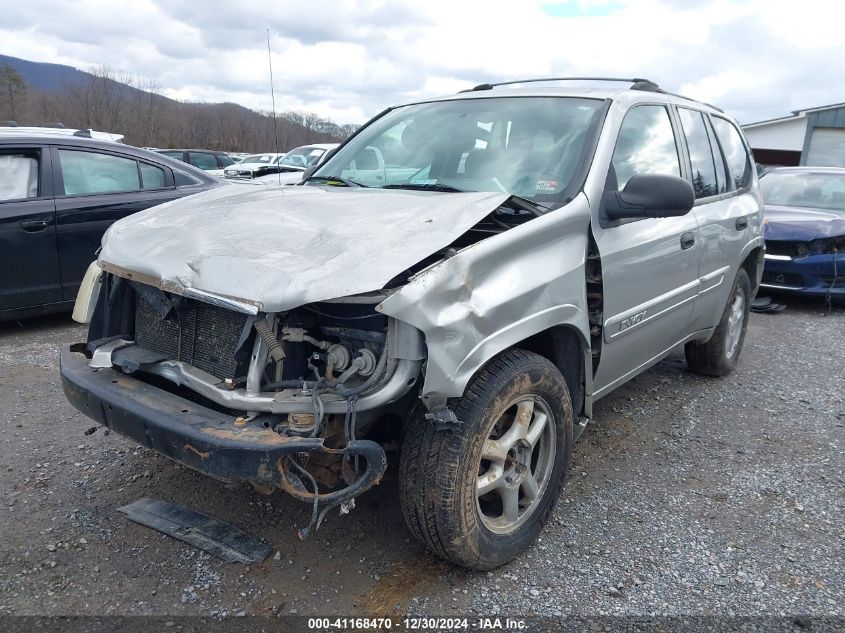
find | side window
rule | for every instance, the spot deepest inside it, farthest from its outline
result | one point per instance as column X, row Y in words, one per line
column 718, row 159
column 20, row 176
column 700, row 153
column 184, row 180
column 202, row 160
column 736, row 156
column 90, row 172
column 173, row 154
column 224, row 161
column 152, row 177
column 646, row 145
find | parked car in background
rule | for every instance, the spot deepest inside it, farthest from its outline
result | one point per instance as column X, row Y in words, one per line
column 10, row 128
column 58, row 194
column 292, row 167
column 209, row 161
column 533, row 249
column 237, row 156
column 805, row 230
column 254, row 165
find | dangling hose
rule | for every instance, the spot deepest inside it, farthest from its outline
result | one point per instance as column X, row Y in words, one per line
column 274, row 348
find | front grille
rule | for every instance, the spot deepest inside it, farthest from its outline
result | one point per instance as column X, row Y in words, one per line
column 775, row 278
column 198, row 334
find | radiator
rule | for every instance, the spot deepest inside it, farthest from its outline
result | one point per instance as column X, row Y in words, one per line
column 198, row 334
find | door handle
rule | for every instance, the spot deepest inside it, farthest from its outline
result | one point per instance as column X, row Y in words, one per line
column 33, row 226
column 687, row 240
column 741, row 223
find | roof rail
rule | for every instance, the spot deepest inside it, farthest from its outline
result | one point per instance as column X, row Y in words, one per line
column 639, row 82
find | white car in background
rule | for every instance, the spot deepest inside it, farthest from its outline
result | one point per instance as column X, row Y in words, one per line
column 254, row 165
column 293, row 165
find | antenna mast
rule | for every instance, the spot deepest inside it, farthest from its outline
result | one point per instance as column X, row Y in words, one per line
column 273, row 100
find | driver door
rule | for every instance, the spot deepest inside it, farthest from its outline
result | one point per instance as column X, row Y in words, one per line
column 649, row 266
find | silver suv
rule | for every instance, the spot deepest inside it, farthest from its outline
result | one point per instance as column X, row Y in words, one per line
column 463, row 278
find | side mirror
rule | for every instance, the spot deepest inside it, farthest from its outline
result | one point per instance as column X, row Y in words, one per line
column 650, row 196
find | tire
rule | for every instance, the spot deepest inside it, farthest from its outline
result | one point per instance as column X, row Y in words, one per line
column 518, row 400
column 719, row 355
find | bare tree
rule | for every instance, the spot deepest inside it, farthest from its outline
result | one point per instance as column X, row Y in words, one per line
column 120, row 102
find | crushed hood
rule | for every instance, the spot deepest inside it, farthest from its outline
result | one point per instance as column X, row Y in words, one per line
column 280, row 248
column 802, row 225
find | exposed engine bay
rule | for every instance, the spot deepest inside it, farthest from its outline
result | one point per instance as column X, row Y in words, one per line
column 330, row 380
column 303, row 374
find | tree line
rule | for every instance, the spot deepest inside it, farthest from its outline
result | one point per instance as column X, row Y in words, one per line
column 110, row 100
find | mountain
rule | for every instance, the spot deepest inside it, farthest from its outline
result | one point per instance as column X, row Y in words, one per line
column 110, row 100
column 44, row 76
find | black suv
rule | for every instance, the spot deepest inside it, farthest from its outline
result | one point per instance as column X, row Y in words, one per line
column 58, row 195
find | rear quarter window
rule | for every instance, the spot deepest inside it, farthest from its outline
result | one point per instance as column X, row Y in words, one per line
column 152, row 176
column 736, row 156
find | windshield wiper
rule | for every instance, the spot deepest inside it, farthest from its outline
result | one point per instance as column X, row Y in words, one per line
column 332, row 180
column 430, row 186
column 522, row 204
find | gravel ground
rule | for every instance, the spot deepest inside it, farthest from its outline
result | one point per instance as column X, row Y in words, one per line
column 690, row 496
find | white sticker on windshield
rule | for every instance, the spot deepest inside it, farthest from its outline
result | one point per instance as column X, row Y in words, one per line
column 546, row 185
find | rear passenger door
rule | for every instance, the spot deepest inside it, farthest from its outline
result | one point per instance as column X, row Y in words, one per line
column 94, row 189
column 29, row 270
column 720, row 171
column 649, row 266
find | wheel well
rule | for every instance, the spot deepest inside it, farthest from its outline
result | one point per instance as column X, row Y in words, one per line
column 753, row 264
column 563, row 346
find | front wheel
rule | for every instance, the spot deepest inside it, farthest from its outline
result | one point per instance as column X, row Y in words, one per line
column 719, row 355
column 480, row 495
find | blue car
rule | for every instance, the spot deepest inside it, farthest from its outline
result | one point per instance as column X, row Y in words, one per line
column 805, row 230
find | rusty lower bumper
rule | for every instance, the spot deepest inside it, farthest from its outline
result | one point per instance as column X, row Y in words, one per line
column 200, row 437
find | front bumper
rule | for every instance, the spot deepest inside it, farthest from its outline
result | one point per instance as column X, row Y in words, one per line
column 818, row 275
column 200, row 437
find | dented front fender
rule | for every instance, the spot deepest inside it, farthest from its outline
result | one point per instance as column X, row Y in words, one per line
column 496, row 293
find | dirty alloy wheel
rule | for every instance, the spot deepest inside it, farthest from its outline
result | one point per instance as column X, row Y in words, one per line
column 479, row 495
column 719, row 355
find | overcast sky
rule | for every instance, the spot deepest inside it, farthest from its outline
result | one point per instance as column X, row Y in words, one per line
column 347, row 59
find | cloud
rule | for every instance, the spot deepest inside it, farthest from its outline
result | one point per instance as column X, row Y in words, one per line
column 348, row 59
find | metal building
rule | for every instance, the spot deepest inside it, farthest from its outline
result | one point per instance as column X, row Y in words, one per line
column 815, row 136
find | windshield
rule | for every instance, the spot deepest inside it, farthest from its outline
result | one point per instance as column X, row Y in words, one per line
column 526, row 146
column 259, row 158
column 814, row 190
column 303, row 156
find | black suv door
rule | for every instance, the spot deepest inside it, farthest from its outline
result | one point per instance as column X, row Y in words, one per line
column 94, row 188
column 29, row 275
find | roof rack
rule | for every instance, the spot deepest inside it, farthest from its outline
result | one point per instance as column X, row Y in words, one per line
column 638, row 82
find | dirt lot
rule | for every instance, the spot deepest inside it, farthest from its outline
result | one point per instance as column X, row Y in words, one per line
column 689, row 496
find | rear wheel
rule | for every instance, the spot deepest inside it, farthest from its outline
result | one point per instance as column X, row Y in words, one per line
column 719, row 355
column 480, row 495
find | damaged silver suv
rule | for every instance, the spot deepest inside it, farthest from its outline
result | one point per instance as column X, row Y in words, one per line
column 465, row 275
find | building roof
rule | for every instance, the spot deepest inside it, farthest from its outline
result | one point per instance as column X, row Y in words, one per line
column 796, row 114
